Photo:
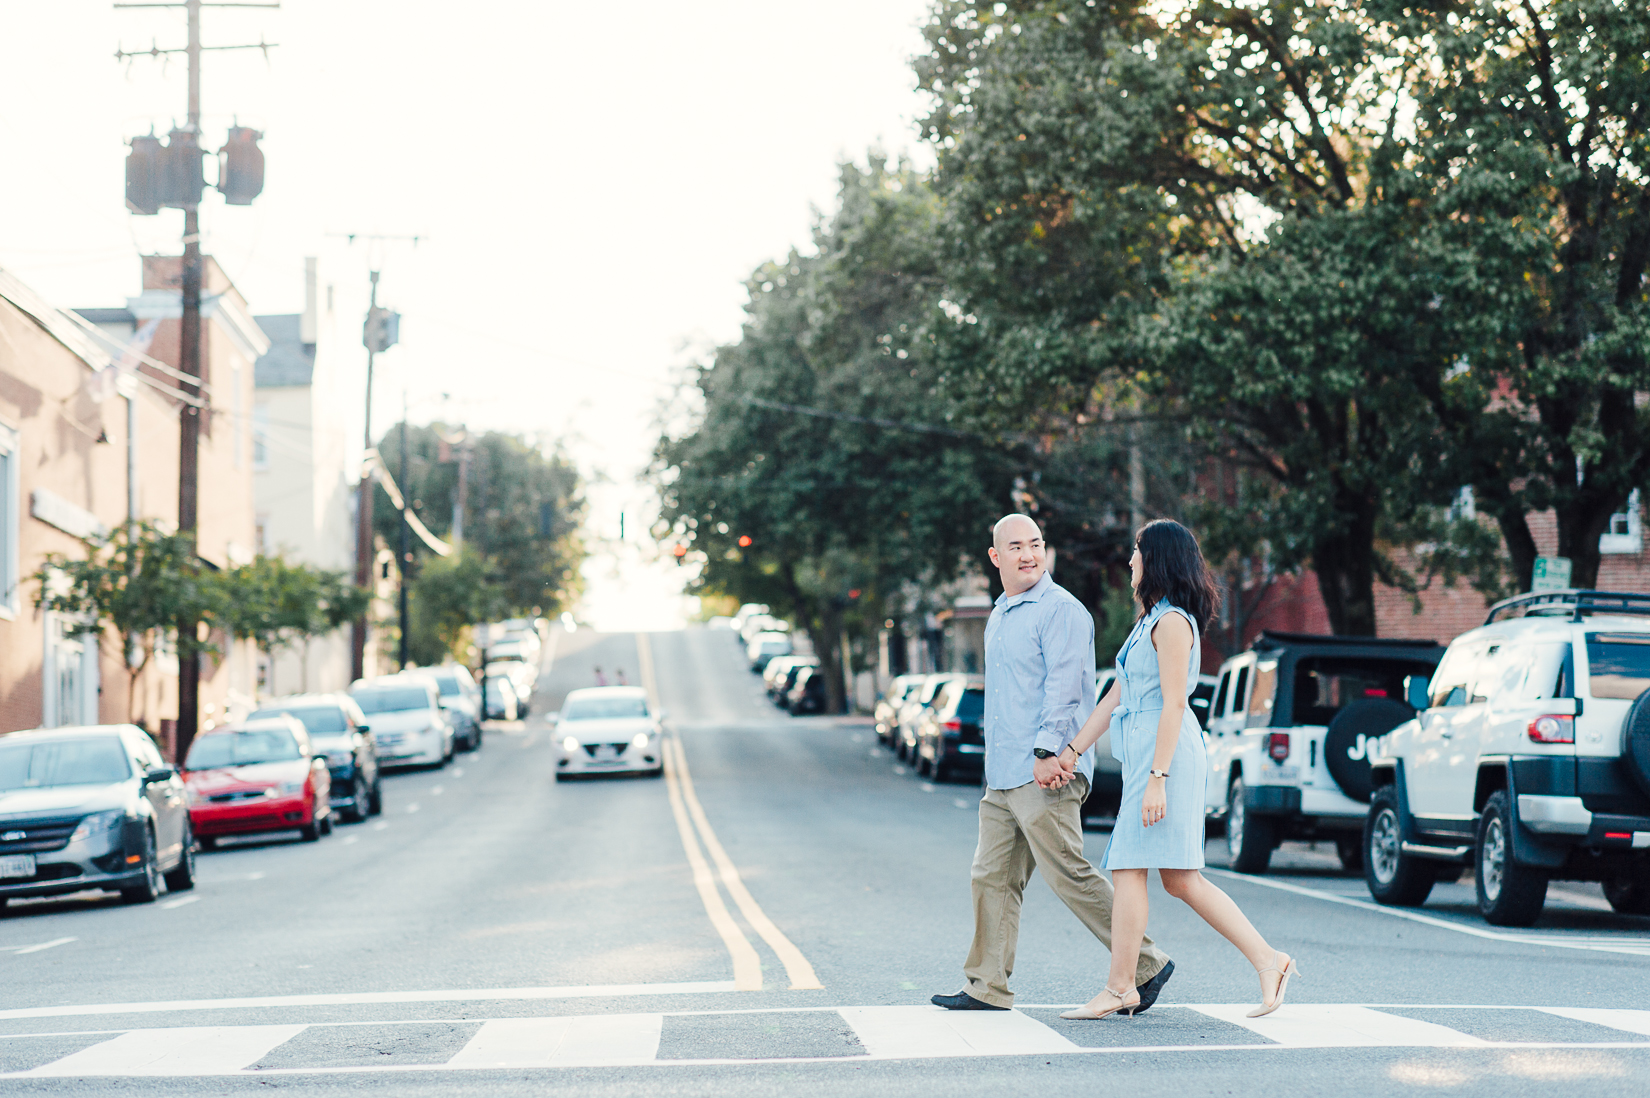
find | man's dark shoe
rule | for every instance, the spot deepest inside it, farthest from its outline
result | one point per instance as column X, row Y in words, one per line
column 1152, row 988
column 962, row 1000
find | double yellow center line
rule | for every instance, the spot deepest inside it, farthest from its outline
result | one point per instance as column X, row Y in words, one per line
column 694, row 827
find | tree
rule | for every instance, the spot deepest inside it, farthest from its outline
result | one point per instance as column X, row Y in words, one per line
column 1532, row 122
column 132, row 587
column 524, row 510
column 1173, row 204
column 451, row 595
column 821, row 476
column 277, row 604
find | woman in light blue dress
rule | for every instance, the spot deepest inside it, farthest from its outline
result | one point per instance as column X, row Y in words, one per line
column 1165, row 769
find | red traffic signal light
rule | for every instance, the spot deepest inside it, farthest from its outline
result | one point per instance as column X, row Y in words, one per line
column 680, row 551
column 744, row 541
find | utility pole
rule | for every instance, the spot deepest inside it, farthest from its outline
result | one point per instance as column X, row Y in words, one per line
column 381, row 332
column 189, row 336
column 405, row 550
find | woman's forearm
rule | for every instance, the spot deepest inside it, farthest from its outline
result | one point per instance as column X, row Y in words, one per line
column 1098, row 721
column 1168, row 733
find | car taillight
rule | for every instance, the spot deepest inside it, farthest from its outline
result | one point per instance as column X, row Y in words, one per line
column 953, row 726
column 1553, row 729
column 1277, row 746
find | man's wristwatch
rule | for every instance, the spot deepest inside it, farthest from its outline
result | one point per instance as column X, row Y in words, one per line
column 1043, row 752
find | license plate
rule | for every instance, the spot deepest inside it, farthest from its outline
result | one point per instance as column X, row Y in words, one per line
column 606, row 753
column 17, row 865
column 1280, row 774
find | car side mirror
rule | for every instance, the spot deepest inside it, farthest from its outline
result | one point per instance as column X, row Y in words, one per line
column 1415, row 692
column 159, row 774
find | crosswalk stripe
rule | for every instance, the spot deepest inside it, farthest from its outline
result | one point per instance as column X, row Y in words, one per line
column 893, row 1032
column 203, row 1050
column 1338, row 1026
column 578, row 1041
column 1632, row 1021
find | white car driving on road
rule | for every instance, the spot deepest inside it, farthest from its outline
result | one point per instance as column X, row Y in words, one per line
column 609, row 730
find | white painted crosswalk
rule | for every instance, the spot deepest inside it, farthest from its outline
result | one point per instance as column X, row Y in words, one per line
column 821, row 1034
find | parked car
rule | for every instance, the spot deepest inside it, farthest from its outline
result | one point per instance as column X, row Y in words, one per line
column 607, row 730
column 765, row 646
column 1289, row 730
column 807, row 692
column 781, row 675
column 461, row 698
column 743, row 615
column 498, row 698
column 951, row 731
column 886, row 712
column 408, row 723
column 91, row 807
column 523, row 677
column 338, row 729
column 257, row 776
column 905, row 732
column 760, row 623
column 1529, row 761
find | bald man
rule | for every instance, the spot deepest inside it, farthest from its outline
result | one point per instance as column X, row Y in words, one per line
column 1039, row 689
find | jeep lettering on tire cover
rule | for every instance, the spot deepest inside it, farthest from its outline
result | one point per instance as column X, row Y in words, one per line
column 1346, row 744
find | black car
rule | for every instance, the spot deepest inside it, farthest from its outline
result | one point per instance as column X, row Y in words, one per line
column 807, row 693
column 951, row 732
column 338, row 728
column 785, row 682
column 498, row 699
column 91, row 807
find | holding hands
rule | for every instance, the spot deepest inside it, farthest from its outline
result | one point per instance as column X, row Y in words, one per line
column 1056, row 771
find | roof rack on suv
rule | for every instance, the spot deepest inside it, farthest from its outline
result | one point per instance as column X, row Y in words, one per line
column 1572, row 603
column 1279, row 638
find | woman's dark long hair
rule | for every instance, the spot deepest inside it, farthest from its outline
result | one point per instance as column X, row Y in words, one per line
column 1173, row 568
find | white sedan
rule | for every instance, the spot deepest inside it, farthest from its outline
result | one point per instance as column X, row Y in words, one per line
column 609, row 730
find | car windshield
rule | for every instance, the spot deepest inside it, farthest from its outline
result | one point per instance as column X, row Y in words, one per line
column 321, row 720
column 243, row 748
column 28, row 764
column 449, row 686
column 1618, row 664
column 391, row 699
column 605, row 709
column 971, row 706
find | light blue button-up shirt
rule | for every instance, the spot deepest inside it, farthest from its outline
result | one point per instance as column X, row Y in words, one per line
column 1039, row 680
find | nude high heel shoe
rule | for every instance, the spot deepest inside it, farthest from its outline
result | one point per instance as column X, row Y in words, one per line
column 1088, row 1013
column 1288, row 969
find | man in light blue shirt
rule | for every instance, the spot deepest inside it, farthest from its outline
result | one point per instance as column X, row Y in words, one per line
column 1039, row 689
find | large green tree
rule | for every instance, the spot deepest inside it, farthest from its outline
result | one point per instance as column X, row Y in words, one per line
column 820, row 475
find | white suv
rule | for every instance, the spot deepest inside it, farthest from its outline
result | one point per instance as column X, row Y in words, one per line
column 1529, row 760
column 1288, row 737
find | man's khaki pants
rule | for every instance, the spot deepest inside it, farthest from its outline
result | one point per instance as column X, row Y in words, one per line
column 1021, row 828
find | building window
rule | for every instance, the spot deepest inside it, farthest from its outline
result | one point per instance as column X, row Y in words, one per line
column 260, row 436
column 1626, row 530
column 240, row 415
column 260, row 535
column 11, row 494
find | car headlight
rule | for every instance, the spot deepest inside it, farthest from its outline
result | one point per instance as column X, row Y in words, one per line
column 640, row 741
column 570, row 744
column 97, row 823
column 285, row 789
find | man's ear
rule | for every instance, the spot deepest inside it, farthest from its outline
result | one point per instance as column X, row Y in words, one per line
column 992, row 553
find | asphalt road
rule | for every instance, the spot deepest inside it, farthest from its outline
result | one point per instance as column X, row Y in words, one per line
column 496, row 932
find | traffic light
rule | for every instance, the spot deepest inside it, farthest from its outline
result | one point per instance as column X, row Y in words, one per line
column 241, row 166
column 142, row 167
column 182, row 176
column 383, row 330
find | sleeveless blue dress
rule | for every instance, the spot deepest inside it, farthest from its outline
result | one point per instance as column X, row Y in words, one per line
column 1176, row 841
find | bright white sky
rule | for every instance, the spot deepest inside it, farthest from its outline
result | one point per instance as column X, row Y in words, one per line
column 594, row 182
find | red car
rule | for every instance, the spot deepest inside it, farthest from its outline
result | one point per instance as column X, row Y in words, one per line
column 259, row 775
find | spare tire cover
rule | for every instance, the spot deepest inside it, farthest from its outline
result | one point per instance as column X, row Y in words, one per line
column 1635, row 736
column 1346, row 744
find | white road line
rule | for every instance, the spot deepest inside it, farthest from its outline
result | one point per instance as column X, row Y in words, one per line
column 899, row 1032
column 960, row 803
column 588, row 1041
column 1632, row 946
column 589, row 991
column 413, row 807
column 458, row 772
column 350, row 839
column 380, row 826
column 1633, row 1021
column 438, row 790
column 20, row 950
column 180, row 901
column 207, row 1050
column 1332, row 1026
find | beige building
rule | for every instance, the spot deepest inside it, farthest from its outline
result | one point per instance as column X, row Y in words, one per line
column 302, row 475
column 89, row 438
